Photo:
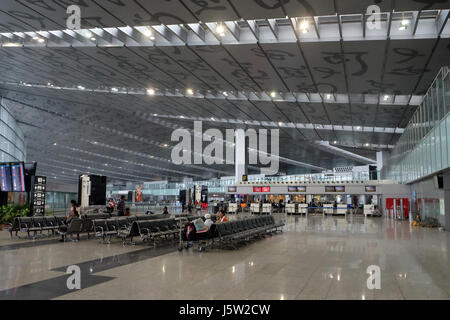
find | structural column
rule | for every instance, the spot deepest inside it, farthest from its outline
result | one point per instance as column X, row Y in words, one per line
column 240, row 159
column 446, row 178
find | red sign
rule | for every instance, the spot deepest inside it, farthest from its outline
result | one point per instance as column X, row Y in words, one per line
column 256, row 189
column 265, row 189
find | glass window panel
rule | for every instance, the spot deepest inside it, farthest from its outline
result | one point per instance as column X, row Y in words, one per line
column 443, row 139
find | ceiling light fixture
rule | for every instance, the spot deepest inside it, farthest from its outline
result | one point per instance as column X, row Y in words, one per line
column 150, row 91
column 225, row 94
column 190, row 91
column 114, row 89
column 358, row 128
column 403, row 25
column 304, row 26
column 334, row 142
column 366, row 144
column 385, row 97
column 149, row 33
column 93, row 38
column 88, row 34
column 273, row 94
column 220, row 30
column 81, row 87
column 328, row 96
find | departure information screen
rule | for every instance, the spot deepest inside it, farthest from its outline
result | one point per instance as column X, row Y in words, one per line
column 5, row 171
column 18, row 177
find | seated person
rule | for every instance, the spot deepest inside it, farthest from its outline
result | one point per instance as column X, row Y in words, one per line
column 127, row 212
column 222, row 217
column 165, row 211
column 73, row 215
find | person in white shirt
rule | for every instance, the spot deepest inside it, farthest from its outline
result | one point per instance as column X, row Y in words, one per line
column 208, row 221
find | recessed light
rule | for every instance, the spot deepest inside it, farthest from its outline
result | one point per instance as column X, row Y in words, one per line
column 150, row 91
column 273, row 94
column 334, row 142
column 190, row 91
column 304, row 25
column 366, row 144
column 220, row 29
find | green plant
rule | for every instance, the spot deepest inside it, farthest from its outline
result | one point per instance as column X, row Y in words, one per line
column 8, row 213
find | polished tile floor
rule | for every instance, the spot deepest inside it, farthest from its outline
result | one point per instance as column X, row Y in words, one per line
column 314, row 258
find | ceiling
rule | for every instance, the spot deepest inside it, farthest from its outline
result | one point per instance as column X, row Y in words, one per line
column 356, row 92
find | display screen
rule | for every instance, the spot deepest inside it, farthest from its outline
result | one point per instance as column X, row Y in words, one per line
column 5, row 171
column 339, row 189
column 232, row 189
column 18, row 177
column 330, row 189
column 371, row 189
column 301, row 189
column 261, row 189
column 292, row 189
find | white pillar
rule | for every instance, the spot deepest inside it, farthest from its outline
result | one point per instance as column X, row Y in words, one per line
column 380, row 159
column 240, row 154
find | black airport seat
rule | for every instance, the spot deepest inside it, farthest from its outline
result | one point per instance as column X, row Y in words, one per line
column 132, row 232
column 131, row 220
column 75, row 226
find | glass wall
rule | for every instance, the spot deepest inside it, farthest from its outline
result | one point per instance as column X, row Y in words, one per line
column 58, row 202
column 424, row 147
column 12, row 145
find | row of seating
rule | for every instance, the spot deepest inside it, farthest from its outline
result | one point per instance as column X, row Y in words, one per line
column 36, row 225
column 235, row 231
column 150, row 230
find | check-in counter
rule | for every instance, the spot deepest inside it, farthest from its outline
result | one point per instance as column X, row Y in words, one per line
column 369, row 209
column 328, row 208
column 267, row 208
column 290, row 208
column 254, row 208
column 232, row 207
column 303, row 208
column 341, row 209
